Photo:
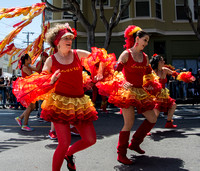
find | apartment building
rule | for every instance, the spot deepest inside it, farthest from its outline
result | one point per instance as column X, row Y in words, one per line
column 166, row 21
column 8, row 71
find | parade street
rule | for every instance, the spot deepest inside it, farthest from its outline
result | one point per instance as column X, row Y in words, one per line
column 166, row 149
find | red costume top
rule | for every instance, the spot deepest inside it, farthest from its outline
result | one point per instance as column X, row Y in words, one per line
column 41, row 66
column 70, row 82
column 137, row 69
column 163, row 81
column 25, row 74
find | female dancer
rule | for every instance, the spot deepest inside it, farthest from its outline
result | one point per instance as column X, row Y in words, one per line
column 26, row 70
column 66, row 103
column 164, row 103
column 135, row 64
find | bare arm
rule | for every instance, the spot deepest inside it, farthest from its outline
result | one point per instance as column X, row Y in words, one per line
column 167, row 71
column 47, row 65
column 123, row 57
column 35, row 68
column 147, row 59
column 82, row 53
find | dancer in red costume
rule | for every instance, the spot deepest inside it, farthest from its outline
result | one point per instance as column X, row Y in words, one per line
column 26, row 70
column 134, row 64
column 65, row 102
column 164, row 103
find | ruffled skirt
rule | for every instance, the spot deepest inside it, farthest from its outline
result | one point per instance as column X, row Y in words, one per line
column 122, row 98
column 63, row 109
column 163, row 101
column 136, row 97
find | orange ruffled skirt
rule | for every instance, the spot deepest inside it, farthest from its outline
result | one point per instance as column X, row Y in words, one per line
column 163, row 101
column 63, row 109
column 136, row 97
column 122, row 98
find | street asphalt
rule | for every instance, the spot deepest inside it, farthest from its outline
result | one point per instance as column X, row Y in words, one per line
column 166, row 149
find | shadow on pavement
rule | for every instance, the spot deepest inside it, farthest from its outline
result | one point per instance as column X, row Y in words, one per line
column 151, row 163
column 160, row 135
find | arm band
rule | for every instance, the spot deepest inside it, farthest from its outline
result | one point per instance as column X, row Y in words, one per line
column 118, row 66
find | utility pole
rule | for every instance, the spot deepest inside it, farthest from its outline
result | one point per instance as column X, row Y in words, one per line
column 28, row 33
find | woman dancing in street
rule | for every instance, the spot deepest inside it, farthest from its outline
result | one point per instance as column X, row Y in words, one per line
column 164, row 103
column 134, row 64
column 26, row 70
column 66, row 104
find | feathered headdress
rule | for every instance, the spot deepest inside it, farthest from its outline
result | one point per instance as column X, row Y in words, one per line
column 128, row 34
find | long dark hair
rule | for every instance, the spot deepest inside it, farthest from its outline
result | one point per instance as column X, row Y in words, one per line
column 23, row 58
column 154, row 61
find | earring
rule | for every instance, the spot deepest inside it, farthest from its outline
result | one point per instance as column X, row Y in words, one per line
column 136, row 44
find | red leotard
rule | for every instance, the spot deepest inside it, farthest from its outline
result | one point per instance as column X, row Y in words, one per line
column 25, row 74
column 70, row 82
column 41, row 66
column 134, row 71
column 163, row 81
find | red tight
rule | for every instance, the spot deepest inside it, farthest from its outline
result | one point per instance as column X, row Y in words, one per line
column 88, row 138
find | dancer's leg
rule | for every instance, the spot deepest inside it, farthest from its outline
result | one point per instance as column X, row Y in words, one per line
column 64, row 140
column 27, row 113
column 88, row 137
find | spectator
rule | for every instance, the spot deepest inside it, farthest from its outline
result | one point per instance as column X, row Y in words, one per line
column 3, row 91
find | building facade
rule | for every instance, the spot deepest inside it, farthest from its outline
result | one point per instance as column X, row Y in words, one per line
column 166, row 21
column 8, row 71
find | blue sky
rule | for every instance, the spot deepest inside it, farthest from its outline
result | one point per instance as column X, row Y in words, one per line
column 7, row 23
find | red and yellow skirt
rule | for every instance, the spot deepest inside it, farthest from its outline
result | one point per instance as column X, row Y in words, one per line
column 163, row 101
column 136, row 97
column 64, row 109
column 122, row 98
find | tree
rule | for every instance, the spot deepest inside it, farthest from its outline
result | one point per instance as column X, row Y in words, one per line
column 189, row 16
column 114, row 20
column 74, row 8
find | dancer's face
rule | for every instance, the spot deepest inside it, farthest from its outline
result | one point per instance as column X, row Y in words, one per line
column 28, row 60
column 65, row 44
column 161, row 63
column 143, row 42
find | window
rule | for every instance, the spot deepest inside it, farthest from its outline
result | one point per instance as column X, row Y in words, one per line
column 125, row 14
column 142, row 8
column 105, row 2
column 196, row 10
column 180, row 11
column 48, row 15
column 158, row 9
column 67, row 15
column 159, row 47
column 5, row 57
